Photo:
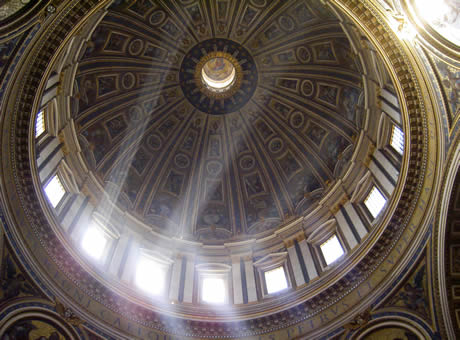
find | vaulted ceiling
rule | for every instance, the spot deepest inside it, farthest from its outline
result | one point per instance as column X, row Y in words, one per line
column 127, row 119
column 209, row 168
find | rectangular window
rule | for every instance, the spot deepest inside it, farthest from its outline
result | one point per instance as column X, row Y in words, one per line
column 332, row 249
column 213, row 290
column 397, row 139
column 375, row 202
column 54, row 191
column 40, row 123
column 275, row 280
column 94, row 242
column 151, row 276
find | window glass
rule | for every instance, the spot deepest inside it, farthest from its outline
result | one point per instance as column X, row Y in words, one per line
column 94, row 242
column 54, row 191
column 375, row 202
column 150, row 276
column 40, row 124
column 332, row 249
column 397, row 139
column 213, row 290
column 275, row 280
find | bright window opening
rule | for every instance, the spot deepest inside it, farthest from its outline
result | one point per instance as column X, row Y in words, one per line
column 442, row 15
column 54, row 191
column 150, row 276
column 375, row 202
column 218, row 73
column 40, row 124
column 94, row 242
column 332, row 249
column 397, row 139
column 275, row 280
column 213, row 290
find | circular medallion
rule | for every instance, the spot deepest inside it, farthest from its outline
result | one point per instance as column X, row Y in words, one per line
column 157, row 17
column 307, row 88
column 247, row 162
column 286, row 23
column 218, row 76
column 135, row 46
column 154, row 142
column 303, row 54
column 275, row 145
column 296, row 119
column 128, row 80
column 182, row 161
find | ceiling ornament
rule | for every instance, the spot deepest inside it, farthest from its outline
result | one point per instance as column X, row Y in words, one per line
column 195, row 69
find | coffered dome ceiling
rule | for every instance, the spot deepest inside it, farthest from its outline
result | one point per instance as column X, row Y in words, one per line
column 214, row 166
column 220, row 140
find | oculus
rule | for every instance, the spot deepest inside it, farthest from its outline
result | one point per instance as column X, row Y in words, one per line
column 218, row 76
